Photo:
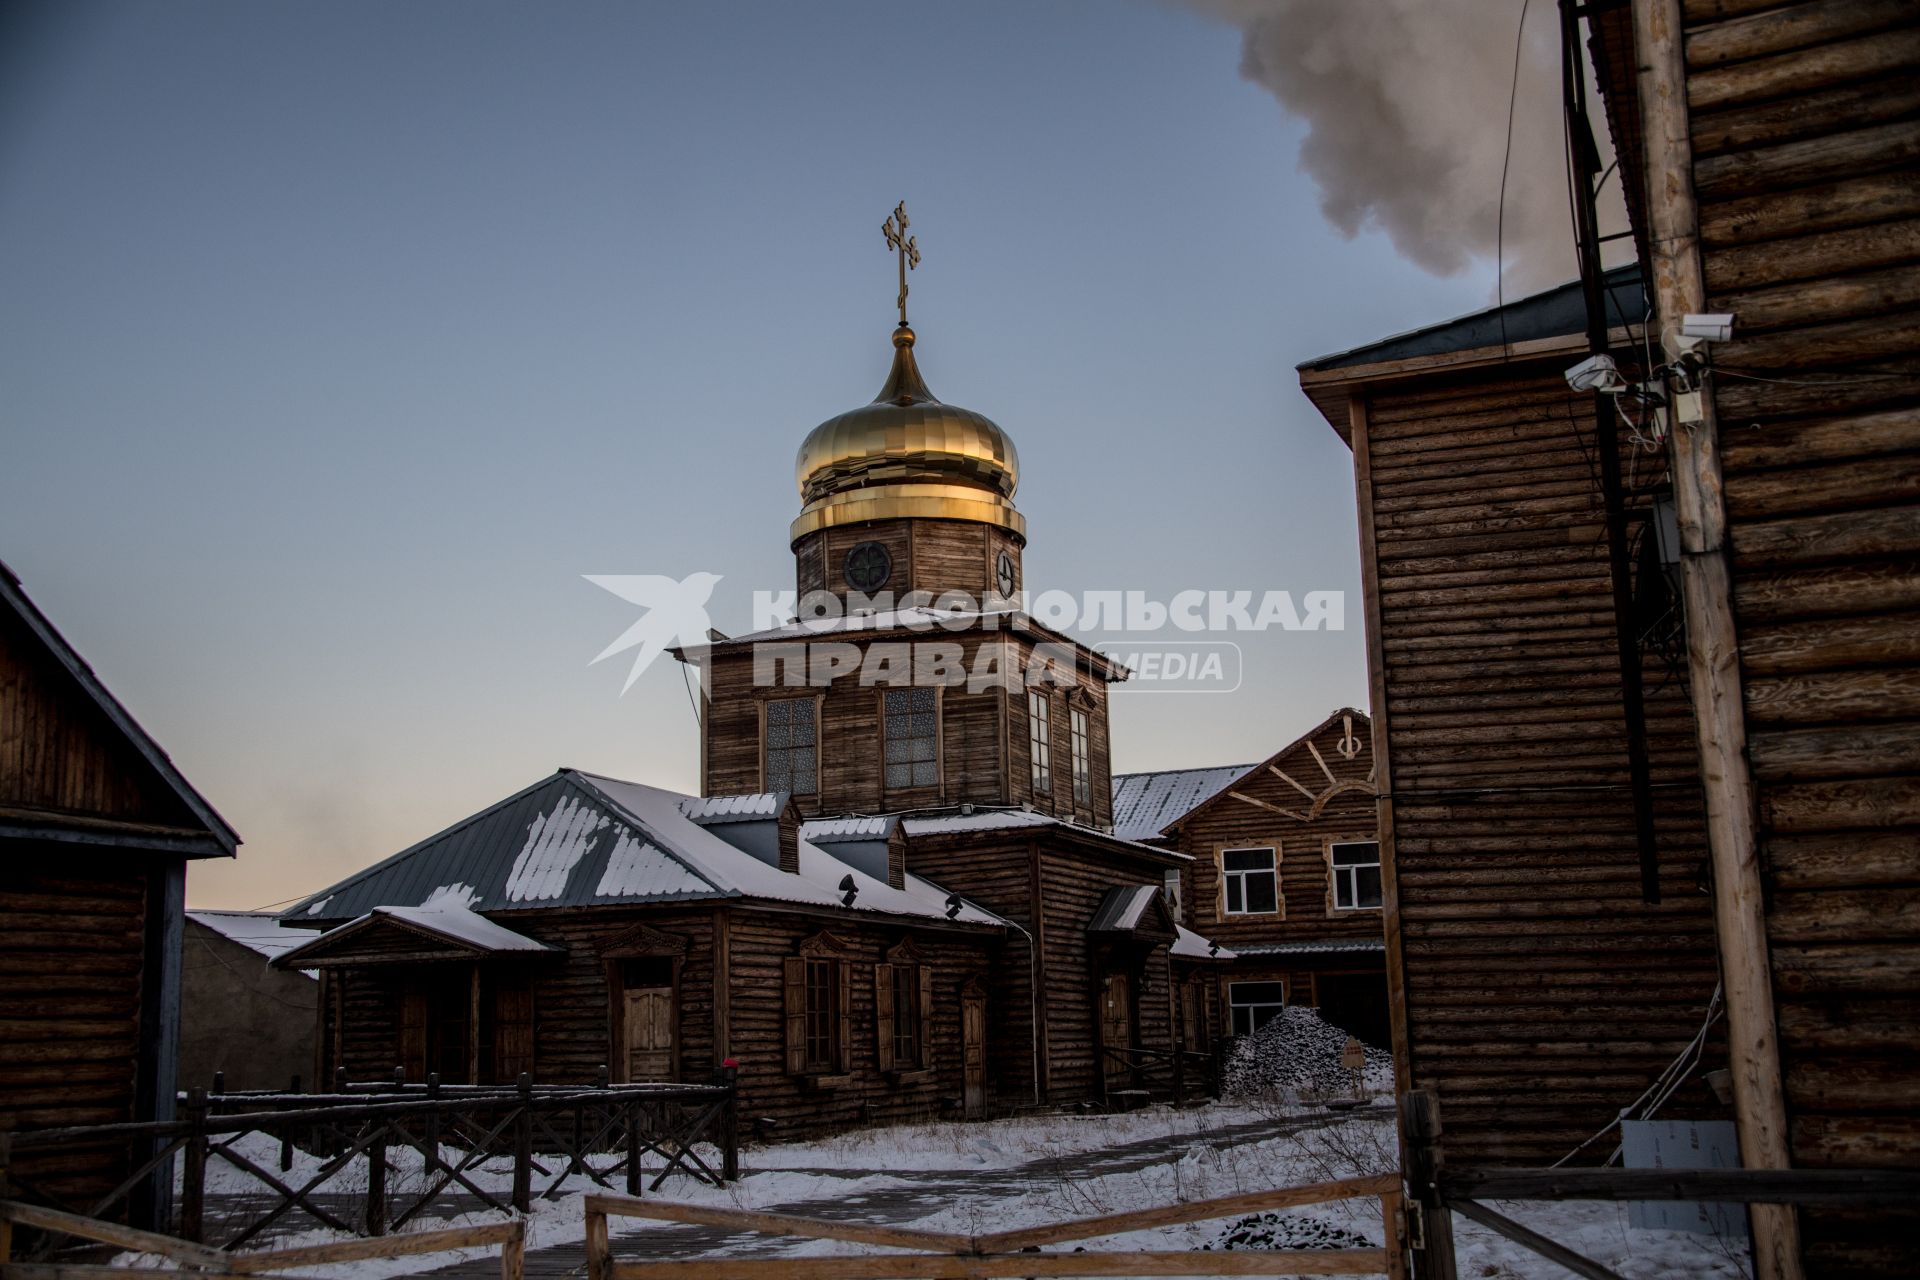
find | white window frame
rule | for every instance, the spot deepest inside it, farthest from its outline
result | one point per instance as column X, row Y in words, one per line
column 1342, row 877
column 1237, row 880
column 1234, row 1007
column 1040, row 742
column 1082, row 756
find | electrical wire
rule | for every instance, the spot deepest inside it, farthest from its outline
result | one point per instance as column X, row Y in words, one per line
column 1506, row 160
column 1664, row 1086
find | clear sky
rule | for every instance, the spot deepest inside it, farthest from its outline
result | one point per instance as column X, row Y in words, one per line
column 337, row 341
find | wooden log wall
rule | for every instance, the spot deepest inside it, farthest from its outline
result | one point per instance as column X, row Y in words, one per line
column 1805, row 121
column 928, row 555
column 1267, row 810
column 59, row 752
column 1539, row 993
column 574, row 1018
column 71, row 948
column 982, row 747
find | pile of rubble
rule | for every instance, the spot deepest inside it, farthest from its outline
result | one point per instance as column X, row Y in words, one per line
column 1296, row 1057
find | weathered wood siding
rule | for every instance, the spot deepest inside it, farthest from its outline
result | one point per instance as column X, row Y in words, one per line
column 72, row 943
column 928, row 555
column 1806, row 134
column 982, row 746
column 575, row 1017
column 1540, row 993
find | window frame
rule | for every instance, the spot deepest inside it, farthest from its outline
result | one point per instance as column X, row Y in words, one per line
column 1224, row 908
column 1080, row 739
column 1338, row 874
column 1040, row 742
column 766, row 751
column 937, row 762
column 903, row 1012
column 820, row 967
column 1234, row 1007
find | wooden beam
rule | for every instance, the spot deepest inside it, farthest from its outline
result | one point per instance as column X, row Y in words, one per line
column 1172, row 1215
column 1578, row 1263
column 1287, row 778
column 1258, row 803
column 1713, row 654
column 1851, row 1187
column 779, row 1224
column 1277, row 1262
column 1321, row 761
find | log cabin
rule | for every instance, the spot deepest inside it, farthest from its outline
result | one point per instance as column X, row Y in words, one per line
column 1773, row 152
column 98, row 826
column 1768, row 152
column 898, row 894
column 1285, row 873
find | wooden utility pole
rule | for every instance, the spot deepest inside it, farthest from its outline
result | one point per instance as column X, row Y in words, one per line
column 1713, row 654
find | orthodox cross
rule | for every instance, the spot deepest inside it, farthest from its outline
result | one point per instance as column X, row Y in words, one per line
column 908, row 247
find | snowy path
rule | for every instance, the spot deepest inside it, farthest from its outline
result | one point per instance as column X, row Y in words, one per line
column 920, row 1193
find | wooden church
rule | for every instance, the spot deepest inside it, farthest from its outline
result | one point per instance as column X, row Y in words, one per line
column 898, row 894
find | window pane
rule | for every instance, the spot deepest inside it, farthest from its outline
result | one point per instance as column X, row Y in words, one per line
column 1263, row 1014
column 1235, row 901
column 897, row 775
column 777, row 712
column 924, row 774
column 803, row 715
column 1257, row 992
column 1247, row 859
column 1260, row 892
column 1348, row 855
column 1368, row 880
column 776, row 734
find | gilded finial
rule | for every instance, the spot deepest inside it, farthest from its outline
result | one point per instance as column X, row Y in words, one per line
column 908, row 247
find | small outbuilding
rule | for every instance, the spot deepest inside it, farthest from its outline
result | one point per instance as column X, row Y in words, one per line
column 242, row 1021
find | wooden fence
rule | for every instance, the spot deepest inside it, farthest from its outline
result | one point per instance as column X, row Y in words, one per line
column 1005, row 1253
column 549, row 1134
column 203, row 1263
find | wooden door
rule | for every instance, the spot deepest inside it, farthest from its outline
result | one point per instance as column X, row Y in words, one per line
column 973, row 1054
column 1116, row 1028
column 649, row 1025
column 1193, row 1018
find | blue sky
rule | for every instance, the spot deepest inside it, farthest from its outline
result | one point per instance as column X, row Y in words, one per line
column 338, row 341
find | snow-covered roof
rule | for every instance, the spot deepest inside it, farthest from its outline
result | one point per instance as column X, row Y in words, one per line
column 1328, row 947
column 1145, row 804
column 850, row 827
column 755, row 807
column 580, row 839
column 457, row 924
column 258, row 931
column 1190, row 944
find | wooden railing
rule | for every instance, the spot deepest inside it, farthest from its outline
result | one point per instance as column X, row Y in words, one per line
column 550, row 1133
column 1005, row 1253
column 203, row 1263
column 1179, row 1073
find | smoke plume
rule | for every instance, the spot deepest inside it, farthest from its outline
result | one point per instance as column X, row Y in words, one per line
column 1406, row 105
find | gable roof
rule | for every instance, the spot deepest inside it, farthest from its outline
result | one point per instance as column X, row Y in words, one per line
column 1145, row 804
column 579, row 839
column 461, row 931
column 1361, row 721
column 220, row 840
column 1133, row 908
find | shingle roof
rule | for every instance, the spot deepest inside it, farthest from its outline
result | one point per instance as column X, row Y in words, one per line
column 1145, row 804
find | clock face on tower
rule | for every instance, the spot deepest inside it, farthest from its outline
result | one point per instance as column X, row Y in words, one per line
column 868, row 567
column 1003, row 574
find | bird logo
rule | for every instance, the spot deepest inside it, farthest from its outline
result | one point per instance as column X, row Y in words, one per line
column 676, row 613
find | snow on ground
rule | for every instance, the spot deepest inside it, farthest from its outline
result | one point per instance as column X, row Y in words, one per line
column 1039, row 1169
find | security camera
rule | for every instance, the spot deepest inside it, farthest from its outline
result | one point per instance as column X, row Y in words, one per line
column 1717, row 327
column 1597, row 373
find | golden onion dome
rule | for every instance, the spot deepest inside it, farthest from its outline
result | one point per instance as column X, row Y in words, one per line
column 907, row 455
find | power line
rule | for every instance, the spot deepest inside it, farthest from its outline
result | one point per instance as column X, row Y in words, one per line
column 1506, row 159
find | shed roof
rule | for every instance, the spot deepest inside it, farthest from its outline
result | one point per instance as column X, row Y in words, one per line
column 258, row 931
